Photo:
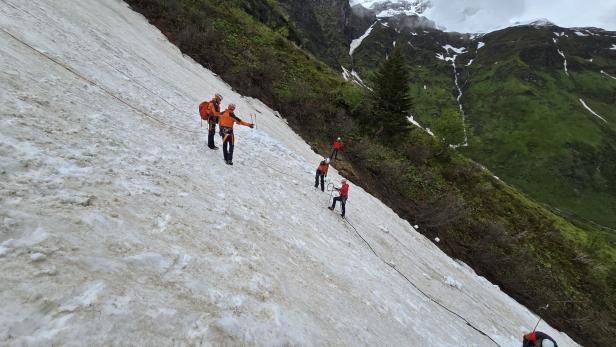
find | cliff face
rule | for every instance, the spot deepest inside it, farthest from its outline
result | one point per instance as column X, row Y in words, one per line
column 324, row 27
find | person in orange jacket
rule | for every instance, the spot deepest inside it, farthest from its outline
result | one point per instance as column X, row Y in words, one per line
column 210, row 111
column 335, row 147
column 322, row 173
column 225, row 122
column 344, row 195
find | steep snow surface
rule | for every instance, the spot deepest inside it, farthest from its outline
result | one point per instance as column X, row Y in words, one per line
column 118, row 225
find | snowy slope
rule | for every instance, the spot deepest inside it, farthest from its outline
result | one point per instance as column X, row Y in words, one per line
column 483, row 16
column 118, row 227
column 390, row 8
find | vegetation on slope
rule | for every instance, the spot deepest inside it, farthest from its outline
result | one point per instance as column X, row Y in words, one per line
column 534, row 255
column 532, row 130
column 522, row 109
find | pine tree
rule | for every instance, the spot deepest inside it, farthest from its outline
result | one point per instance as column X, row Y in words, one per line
column 391, row 98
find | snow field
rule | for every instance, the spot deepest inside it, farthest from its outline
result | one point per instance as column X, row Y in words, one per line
column 119, row 227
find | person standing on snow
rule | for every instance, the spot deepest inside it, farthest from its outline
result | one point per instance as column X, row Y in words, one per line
column 538, row 339
column 225, row 122
column 344, row 194
column 322, row 173
column 210, row 111
column 335, row 147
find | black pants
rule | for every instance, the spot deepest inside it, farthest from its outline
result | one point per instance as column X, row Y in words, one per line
column 342, row 203
column 228, row 142
column 334, row 154
column 316, row 180
column 210, row 134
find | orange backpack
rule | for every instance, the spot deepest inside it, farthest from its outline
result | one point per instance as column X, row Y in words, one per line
column 203, row 108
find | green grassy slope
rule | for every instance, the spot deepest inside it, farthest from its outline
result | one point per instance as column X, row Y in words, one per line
column 523, row 112
column 482, row 221
column 532, row 130
column 431, row 86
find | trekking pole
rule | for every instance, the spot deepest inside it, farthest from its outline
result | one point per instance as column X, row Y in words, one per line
column 539, row 321
column 331, row 192
column 253, row 119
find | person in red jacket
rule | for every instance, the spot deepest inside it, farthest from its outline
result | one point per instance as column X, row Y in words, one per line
column 538, row 339
column 335, row 147
column 344, row 194
column 226, row 121
column 322, row 173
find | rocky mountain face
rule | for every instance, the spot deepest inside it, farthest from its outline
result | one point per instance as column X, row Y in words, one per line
column 324, row 27
column 536, row 101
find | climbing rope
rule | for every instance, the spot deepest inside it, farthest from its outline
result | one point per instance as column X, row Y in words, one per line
column 428, row 296
column 330, row 188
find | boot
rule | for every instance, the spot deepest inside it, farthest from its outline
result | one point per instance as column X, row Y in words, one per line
column 331, row 208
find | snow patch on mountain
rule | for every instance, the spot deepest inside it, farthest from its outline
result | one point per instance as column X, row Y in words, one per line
column 452, row 59
column 562, row 54
column 542, row 22
column 416, row 123
column 390, row 8
column 460, row 50
column 608, row 75
column 357, row 42
column 591, row 111
column 353, row 76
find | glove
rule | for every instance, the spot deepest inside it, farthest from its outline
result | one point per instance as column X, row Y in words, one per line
column 251, row 126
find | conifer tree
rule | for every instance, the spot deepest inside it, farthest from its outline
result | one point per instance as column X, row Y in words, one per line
column 391, row 98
